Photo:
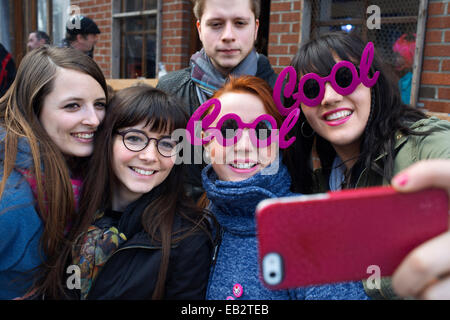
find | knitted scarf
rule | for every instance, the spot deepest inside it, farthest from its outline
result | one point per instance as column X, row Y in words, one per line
column 208, row 79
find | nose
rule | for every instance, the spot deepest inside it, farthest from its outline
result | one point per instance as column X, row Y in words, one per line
column 244, row 144
column 150, row 153
column 228, row 32
column 330, row 96
column 92, row 117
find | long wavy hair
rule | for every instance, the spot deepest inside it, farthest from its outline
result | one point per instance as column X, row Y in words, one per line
column 20, row 108
column 387, row 115
column 162, row 113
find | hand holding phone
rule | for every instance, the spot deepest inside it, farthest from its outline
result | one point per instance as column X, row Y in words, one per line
column 342, row 236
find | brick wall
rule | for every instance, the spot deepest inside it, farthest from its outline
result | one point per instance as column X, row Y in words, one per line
column 101, row 12
column 176, row 33
column 435, row 81
column 284, row 32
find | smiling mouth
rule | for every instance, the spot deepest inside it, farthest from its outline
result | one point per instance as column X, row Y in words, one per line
column 337, row 115
column 142, row 171
column 84, row 136
column 243, row 165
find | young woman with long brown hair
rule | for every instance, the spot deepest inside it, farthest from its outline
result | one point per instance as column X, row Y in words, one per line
column 47, row 122
column 141, row 237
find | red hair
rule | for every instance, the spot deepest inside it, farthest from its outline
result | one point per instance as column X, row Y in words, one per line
column 256, row 86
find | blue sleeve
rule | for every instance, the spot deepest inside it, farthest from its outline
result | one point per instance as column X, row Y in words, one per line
column 20, row 227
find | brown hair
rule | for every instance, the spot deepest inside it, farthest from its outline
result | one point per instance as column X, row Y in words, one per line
column 19, row 116
column 162, row 112
column 199, row 7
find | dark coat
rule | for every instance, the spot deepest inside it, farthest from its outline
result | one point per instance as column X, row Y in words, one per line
column 131, row 272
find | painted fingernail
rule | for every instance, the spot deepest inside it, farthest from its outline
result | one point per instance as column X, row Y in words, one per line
column 401, row 180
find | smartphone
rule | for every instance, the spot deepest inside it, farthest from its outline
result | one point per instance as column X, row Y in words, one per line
column 344, row 235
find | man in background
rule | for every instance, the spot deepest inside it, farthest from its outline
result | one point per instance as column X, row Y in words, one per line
column 82, row 34
column 37, row 39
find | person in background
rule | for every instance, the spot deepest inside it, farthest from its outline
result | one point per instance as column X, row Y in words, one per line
column 404, row 49
column 82, row 34
column 228, row 31
column 37, row 39
column 7, row 70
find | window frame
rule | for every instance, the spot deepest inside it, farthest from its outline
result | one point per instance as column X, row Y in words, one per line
column 117, row 39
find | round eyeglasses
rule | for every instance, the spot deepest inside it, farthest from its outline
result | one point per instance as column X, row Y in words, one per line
column 136, row 140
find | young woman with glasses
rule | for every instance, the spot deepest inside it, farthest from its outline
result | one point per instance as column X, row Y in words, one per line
column 353, row 118
column 140, row 237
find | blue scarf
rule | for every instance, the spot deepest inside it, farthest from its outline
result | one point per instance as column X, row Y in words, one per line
column 234, row 203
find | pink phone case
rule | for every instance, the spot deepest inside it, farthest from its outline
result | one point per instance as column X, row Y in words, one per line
column 340, row 236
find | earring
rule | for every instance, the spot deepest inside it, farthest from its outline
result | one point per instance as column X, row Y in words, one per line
column 303, row 134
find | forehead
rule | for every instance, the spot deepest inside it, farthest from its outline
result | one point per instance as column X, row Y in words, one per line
column 223, row 9
column 246, row 105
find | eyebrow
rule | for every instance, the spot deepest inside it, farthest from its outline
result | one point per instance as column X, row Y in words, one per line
column 102, row 99
column 212, row 19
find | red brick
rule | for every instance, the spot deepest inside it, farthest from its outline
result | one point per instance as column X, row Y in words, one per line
column 442, row 50
column 431, row 65
column 280, row 6
column 280, row 27
column 279, row 49
column 438, row 22
column 290, row 17
column 289, row 38
column 445, row 65
column 436, row 106
column 435, row 8
column 435, row 78
column 444, row 93
column 433, row 36
column 447, row 34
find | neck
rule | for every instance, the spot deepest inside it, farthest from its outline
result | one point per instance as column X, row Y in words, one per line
column 121, row 199
column 348, row 154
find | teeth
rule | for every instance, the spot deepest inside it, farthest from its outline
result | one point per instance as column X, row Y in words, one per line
column 243, row 165
column 84, row 135
column 143, row 172
column 338, row 115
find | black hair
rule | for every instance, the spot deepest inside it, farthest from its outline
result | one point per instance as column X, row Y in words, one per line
column 388, row 114
column 42, row 35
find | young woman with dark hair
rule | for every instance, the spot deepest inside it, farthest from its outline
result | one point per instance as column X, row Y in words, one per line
column 361, row 138
column 148, row 240
column 48, row 119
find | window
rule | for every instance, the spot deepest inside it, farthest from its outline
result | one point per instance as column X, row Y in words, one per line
column 52, row 17
column 136, row 51
column 398, row 27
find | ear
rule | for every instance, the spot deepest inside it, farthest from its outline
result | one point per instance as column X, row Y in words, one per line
column 256, row 28
column 199, row 29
